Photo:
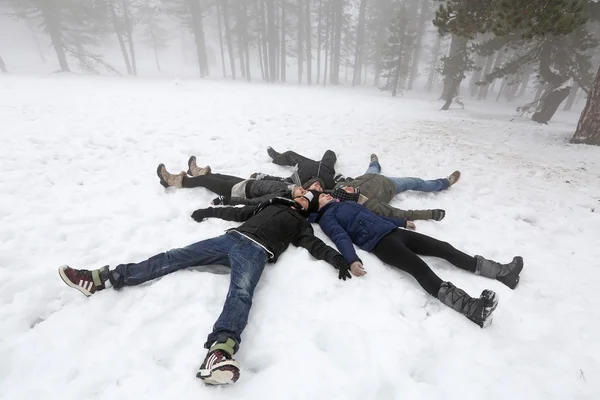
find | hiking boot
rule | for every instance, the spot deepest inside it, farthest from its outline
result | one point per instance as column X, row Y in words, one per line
column 505, row 273
column 477, row 310
column 374, row 158
column 167, row 179
column 219, row 367
column 454, row 177
column 272, row 153
column 87, row 282
column 195, row 170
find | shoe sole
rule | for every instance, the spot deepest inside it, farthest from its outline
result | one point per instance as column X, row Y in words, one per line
column 190, row 161
column 63, row 276
column 220, row 374
column 162, row 181
column 491, row 304
column 512, row 280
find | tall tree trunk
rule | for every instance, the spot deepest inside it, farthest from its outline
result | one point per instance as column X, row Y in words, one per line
column 381, row 38
column 283, row 44
column 327, row 33
column 246, row 42
column 588, row 128
column 230, row 50
column 53, row 26
column 456, row 74
column 400, row 60
column 260, row 11
column 358, row 53
column 2, row 65
column 571, row 98
column 198, row 30
column 183, row 44
column 308, row 44
column 300, row 50
column 38, row 46
column 319, row 36
column 129, row 32
column 221, row 41
column 434, row 60
column 524, row 81
column 476, row 77
column 423, row 19
column 272, row 40
column 117, row 27
column 154, row 44
column 550, row 104
column 240, row 37
column 337, row 41
column 484, row 89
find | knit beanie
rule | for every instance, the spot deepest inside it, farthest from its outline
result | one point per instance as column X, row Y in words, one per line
column 313, row 180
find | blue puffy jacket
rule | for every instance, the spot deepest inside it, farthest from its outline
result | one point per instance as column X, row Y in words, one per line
column 349, row 222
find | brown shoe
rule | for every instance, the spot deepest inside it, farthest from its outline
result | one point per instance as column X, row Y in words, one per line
column 454, row 177
column 167, row 179
column 195, row 170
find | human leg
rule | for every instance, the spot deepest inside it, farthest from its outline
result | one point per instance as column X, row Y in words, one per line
column 218, row 183
column 418, row 184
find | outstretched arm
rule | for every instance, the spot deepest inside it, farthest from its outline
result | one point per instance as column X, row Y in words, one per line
column 238, row 214
column 319, row 250
column 340, row 237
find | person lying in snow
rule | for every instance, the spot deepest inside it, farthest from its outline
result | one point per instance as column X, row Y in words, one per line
column 306, row 168
column 231, row 189
column 266, row 233
column 346, row 223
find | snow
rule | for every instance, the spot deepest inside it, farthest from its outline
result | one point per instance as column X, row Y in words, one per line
column 78, row 186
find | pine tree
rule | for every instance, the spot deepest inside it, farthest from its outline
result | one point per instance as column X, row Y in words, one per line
column 154, row 34
column 588, row 128
column 397, row 53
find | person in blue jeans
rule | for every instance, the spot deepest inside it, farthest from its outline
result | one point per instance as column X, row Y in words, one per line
column 396, row 185
column 266, row 233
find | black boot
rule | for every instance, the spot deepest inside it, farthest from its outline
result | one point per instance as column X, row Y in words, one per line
column 505, row 273
column 477, row 310
column 272, row 153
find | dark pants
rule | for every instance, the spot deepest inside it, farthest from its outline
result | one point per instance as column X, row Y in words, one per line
column 217, row 183
column 245, row 258
column 307, row 168
column 400, row 247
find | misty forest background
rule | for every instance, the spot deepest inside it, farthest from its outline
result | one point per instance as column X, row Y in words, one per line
column 538, row 54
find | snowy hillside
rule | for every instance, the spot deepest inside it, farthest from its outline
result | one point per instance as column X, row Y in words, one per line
column 78, row 186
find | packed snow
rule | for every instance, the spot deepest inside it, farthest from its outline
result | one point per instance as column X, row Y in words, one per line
column 79, row 187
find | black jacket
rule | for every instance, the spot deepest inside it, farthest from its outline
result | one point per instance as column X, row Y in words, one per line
column 258, row 191
column 275, row 227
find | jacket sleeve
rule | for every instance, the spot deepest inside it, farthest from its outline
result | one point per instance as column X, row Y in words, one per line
column 234, row 201
column 238, row 214
column 385, row 210
column 340, row 237
column 315, row 246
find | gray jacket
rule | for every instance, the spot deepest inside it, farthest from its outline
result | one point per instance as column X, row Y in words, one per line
column 257, row 191
column 372, row 186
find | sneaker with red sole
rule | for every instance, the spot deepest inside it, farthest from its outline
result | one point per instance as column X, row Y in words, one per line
column 87, row 282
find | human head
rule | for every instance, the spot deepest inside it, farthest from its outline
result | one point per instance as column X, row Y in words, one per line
column 325, row 198
column 298, row 191
column 314, row 184
column 309, row 201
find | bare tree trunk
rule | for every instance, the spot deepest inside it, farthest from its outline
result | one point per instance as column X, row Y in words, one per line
column 524, row 81
column 454, row 77
column 300, row 50
column 154, row 45
column 327, row 33
column 502, row 86
column 308, row 44
column 2, row 65
column 246, row 42
column 183, row 44
column 129, row 32
column 230, row 50
column 54, row 31
column 263, row 44
column 381, row 38
column 423, row 19
column 240, row 37
column 550, row 104
column 338, row 12
column 434, row 61
column 400, row 60
column 116, row 26
column 358, row 54
column 272, row 40
column 221, row 41
column 588, row 128
column 319, row 36
column 476, row 77
column 198, row 29
column 483, row 90
column 571, row 98
column 283, row 44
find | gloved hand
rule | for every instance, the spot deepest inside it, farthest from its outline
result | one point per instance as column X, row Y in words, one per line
column 343, row 268
column 438, row 214
column 221, row 200
column 200, row 214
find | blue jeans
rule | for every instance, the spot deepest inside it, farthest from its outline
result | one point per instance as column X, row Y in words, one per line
column 418, row 184
column 245, row 258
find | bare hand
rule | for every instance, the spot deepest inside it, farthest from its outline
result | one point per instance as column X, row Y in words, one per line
column 357, row 269
column 411, row 225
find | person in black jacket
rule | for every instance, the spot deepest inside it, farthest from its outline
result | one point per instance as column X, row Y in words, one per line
column 266, row 233
column 232, row 190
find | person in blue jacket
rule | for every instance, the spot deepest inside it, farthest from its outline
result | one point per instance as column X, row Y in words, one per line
column 348, row 222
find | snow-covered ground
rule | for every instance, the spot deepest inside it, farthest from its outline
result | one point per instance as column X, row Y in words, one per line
column 78, row 186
